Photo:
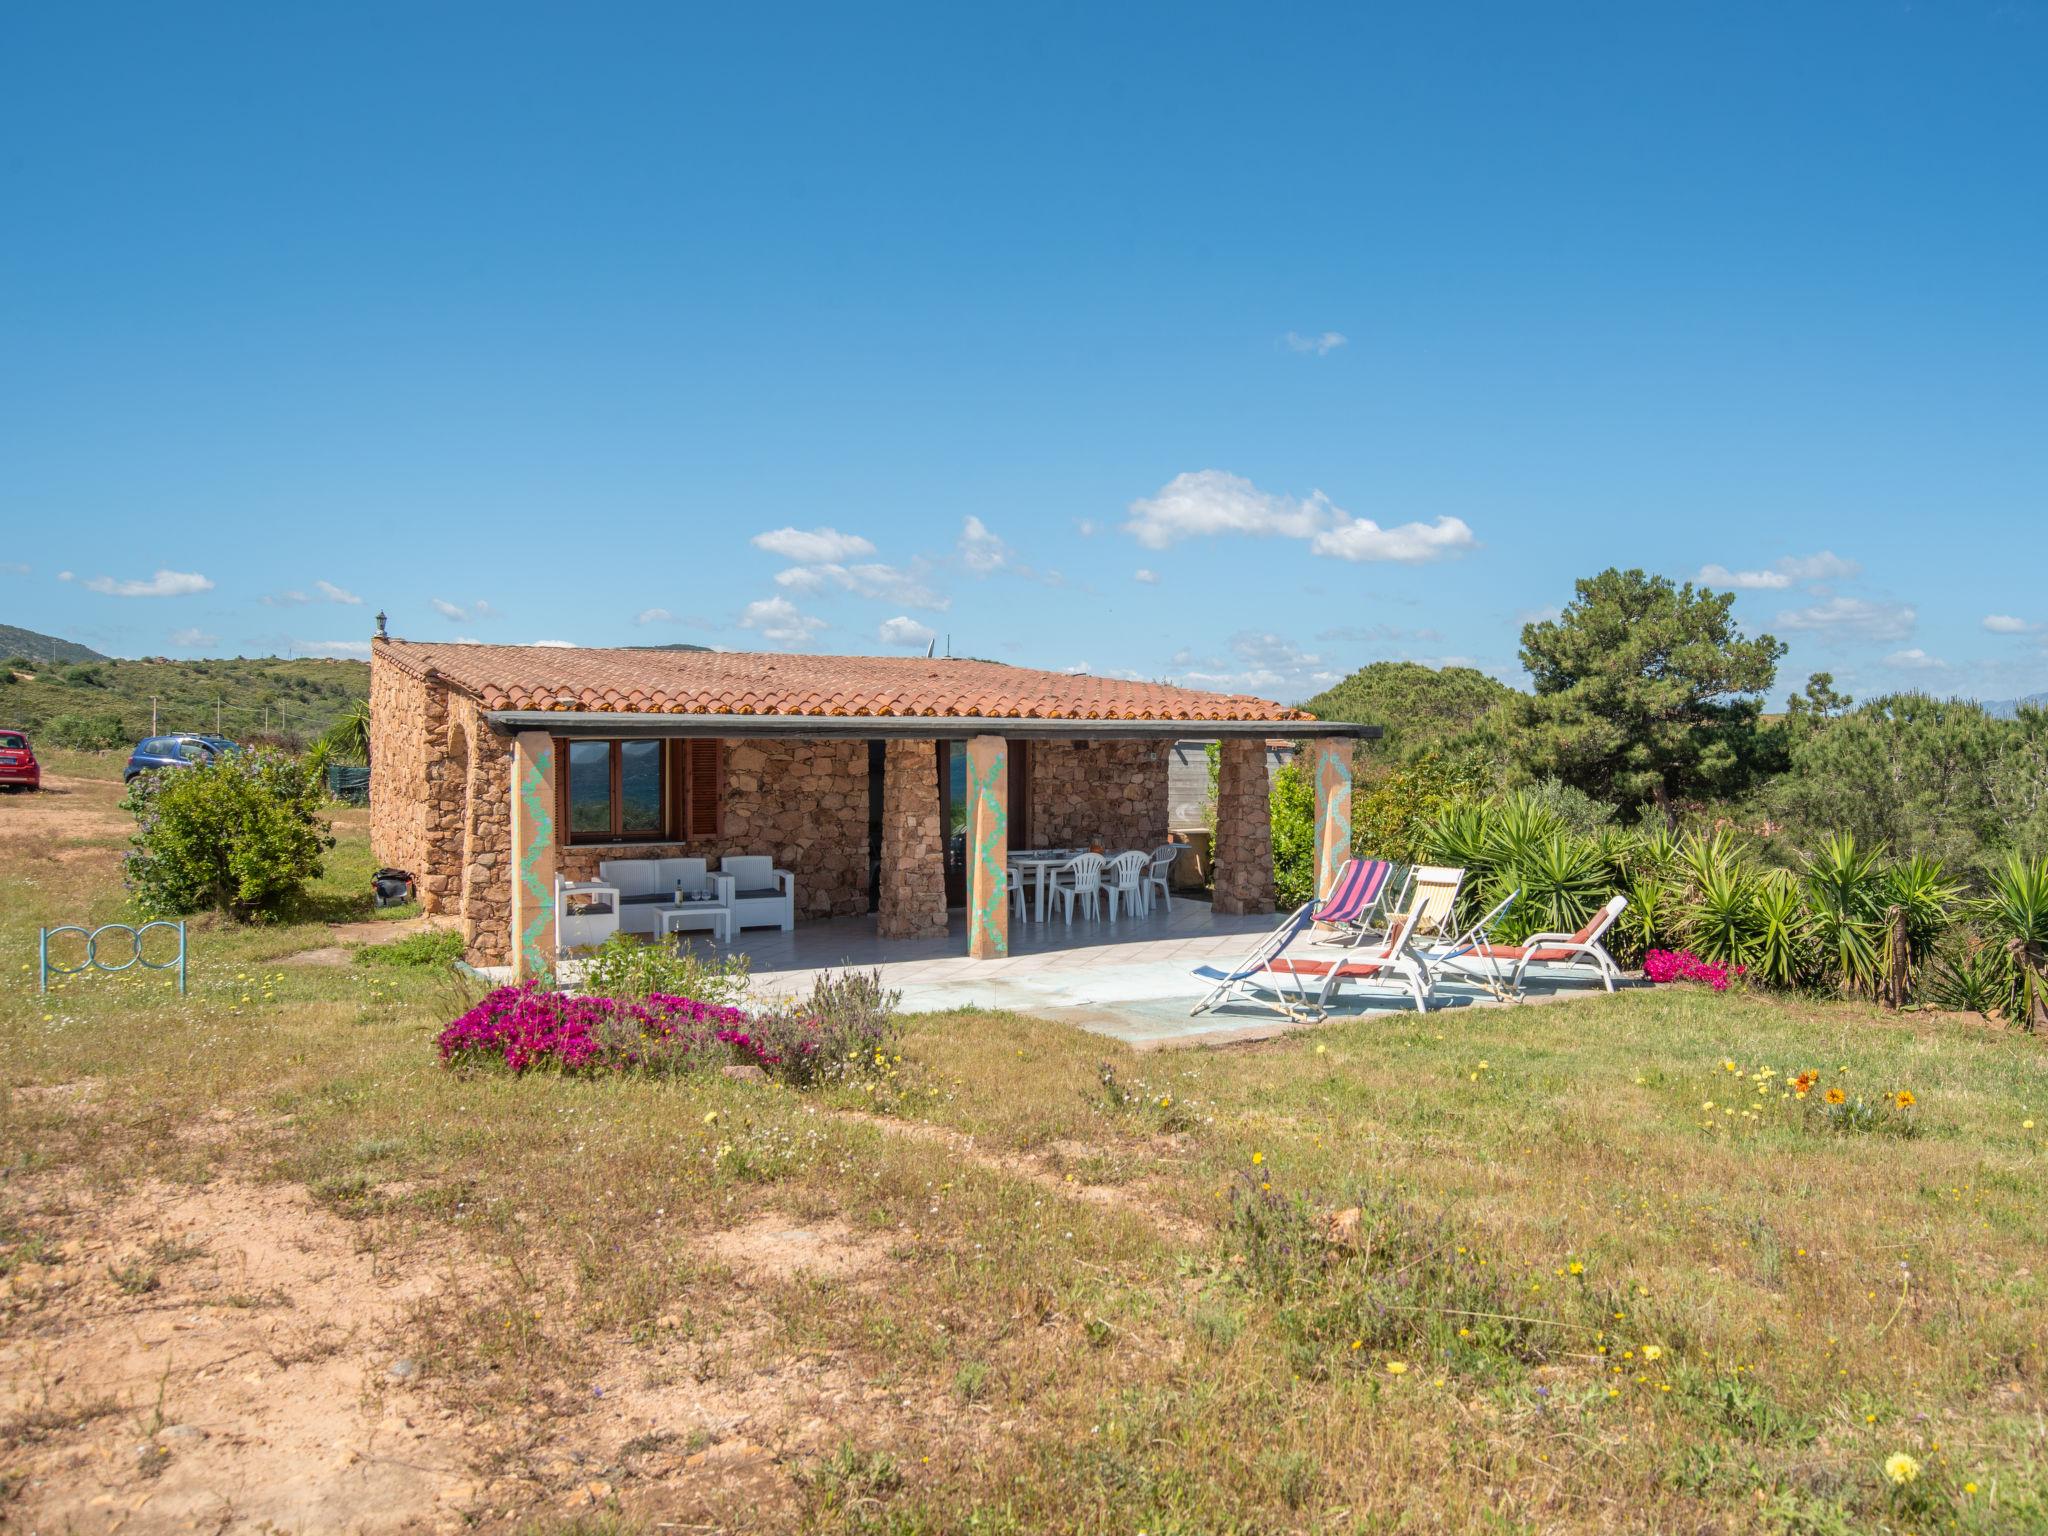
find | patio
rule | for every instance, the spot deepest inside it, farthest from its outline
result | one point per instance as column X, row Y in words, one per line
column 1130, row 980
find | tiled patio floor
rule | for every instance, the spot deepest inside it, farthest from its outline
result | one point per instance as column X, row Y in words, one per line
column 1130, row 979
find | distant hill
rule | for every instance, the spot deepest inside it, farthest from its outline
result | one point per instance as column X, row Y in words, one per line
column 26, row 642
column 2005, row 709
column 101, row 702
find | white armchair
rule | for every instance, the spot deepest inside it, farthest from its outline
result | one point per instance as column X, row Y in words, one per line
column 762, row 894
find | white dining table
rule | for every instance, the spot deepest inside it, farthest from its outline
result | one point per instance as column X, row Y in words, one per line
column 1038, row 866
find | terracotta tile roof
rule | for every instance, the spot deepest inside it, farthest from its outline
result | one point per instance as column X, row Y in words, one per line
column 770, row 683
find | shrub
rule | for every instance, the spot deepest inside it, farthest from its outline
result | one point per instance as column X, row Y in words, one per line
column 242, row 835
column 432, row 947
column 86, row 733
column 623, row 967
column 846, row 1028
column 527, row 1027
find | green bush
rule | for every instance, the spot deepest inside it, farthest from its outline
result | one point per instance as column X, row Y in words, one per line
column 241, row 835
column 86, row 733
column 622, row 967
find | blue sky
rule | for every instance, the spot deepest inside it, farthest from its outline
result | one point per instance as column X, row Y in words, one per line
column 1241, row 346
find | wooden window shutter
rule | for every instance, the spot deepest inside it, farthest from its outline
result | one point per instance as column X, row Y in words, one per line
column 704, row 787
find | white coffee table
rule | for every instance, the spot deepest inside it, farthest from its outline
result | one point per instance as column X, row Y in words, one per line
column 685, row 916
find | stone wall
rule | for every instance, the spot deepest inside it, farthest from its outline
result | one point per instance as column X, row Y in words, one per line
column 399, row 747
column 805, row 803
column 1244, row 828
column 1108, row 792
column 913, row 895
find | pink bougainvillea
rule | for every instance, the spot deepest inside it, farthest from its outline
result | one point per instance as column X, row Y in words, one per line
column 528, row 1027
column 1668, row 965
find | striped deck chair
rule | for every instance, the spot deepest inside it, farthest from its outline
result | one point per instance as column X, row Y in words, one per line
column 1355, row 893
column 1393, row 960
column 1251, row 979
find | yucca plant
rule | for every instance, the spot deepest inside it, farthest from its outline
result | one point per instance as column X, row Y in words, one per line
column 1720, row 923
column 1916, row 896
column 1844, row 895
column 2015, row 915
column 1649, row 921
column 1562, row 879
column 1972, row 976
column 1780, row 937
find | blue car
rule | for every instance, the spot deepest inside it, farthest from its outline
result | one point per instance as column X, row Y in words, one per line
column 185, row 750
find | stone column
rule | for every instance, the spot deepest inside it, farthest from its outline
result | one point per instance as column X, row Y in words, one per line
column 913, row 896
column 988, row 847
column 533, row 854
column 1332, row 762
column 1244, row 828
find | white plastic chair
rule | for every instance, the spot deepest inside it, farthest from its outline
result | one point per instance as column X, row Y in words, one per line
column 1079, row 880
column 1124, row 878
column 1161, row 873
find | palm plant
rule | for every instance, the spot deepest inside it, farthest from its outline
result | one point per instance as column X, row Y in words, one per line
column 2015, row 914
column 1844, row 893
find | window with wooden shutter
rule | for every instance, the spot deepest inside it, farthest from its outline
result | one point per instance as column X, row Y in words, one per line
column 703, row 787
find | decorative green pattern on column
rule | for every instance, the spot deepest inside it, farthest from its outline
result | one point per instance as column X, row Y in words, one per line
column 533, row 855
column 988, row 829
column 1333, row 810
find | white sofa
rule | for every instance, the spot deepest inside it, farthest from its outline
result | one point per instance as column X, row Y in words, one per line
column 761, row 894
column 644, row 884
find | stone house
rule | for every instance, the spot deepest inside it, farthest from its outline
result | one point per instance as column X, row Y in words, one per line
column 891, row 785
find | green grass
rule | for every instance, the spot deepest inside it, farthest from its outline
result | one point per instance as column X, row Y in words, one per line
column 1127, row 1261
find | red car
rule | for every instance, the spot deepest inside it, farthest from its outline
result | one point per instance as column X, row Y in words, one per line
column 18, row 765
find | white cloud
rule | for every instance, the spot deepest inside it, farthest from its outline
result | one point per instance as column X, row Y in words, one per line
column 1916, row 659
column 980, row 550
column 1259, row 662
column 883, row 583
column 1411, row 543
column 778, row 621
column 905, row 631
column 1145, row 575
column 1781, row 574
column 1853, row 616
column 1210, row 502
column 162, row 584
column 812, row 546
column 2006, row 624
column 1825, row 566
column 1321, row 344
column 332, row 647
column 1744, row 581
column 334, row 594
column 187, row 639
column 449, row 611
